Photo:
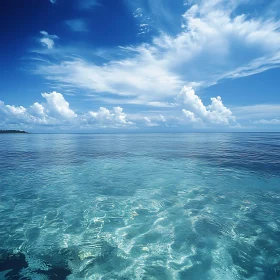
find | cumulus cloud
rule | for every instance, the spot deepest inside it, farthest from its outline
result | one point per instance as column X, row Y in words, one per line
column 57, row 106
column 107, row 118
column 16, row 110
column 215, row 113
column 18, row 115
column 47, row 40
column 37, row 109
column 54, row 111
column 190, row 116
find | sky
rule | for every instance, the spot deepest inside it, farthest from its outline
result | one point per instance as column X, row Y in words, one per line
column 141, row 65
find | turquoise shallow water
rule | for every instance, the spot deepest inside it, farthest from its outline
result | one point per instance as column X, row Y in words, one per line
column 150, row 206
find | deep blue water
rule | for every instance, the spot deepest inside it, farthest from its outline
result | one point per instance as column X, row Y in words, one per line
column 140, row 206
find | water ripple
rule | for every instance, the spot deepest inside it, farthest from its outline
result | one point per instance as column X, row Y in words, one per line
column 196, row 206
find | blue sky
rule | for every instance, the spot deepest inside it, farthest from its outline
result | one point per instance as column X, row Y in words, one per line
column 143, row 65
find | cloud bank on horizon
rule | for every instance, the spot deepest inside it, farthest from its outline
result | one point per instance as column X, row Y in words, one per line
column 163, row 70
column 56, row 111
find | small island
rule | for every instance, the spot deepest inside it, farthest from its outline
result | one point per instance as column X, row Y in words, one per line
column 12, row 131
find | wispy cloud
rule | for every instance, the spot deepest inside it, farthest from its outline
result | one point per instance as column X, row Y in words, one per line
column 273, row 121
column 149, row 122
column 144, row 22
column 142, row 78
column 87, row 4
column 215, row 43
column 257, row 112
column 78, row 25
column 48, row 40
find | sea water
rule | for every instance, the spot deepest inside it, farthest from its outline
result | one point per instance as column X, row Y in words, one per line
column 140, row 206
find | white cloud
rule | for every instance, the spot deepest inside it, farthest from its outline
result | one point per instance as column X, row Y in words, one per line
column 162, row 118
column 56, row 111
column 78, row 25
column 215, row 113
column 149, row 122
column 190, row 116
column 107, row 118
column 45, row 33
column 16, row 110
column 212, row 43
column 49, row 43
column 160, row 104
column 154, row 117
column 47, row 40
column 138, row 13
column 142, row 77
column 273, row 121
column 215, row 43
column 19, row 115
column 37, row 109
column 57, row 106
column 256, row 112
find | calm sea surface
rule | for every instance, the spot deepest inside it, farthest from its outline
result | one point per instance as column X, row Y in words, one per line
column 140, row 206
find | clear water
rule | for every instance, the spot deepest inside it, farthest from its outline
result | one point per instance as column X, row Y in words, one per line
column 150, row 206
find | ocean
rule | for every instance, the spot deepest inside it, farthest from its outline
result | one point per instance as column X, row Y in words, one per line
column 140, row 206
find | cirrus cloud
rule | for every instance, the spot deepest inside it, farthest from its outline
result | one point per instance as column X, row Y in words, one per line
column 216, row 42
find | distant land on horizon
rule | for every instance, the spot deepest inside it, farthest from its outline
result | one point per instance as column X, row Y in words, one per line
column 12, row 131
